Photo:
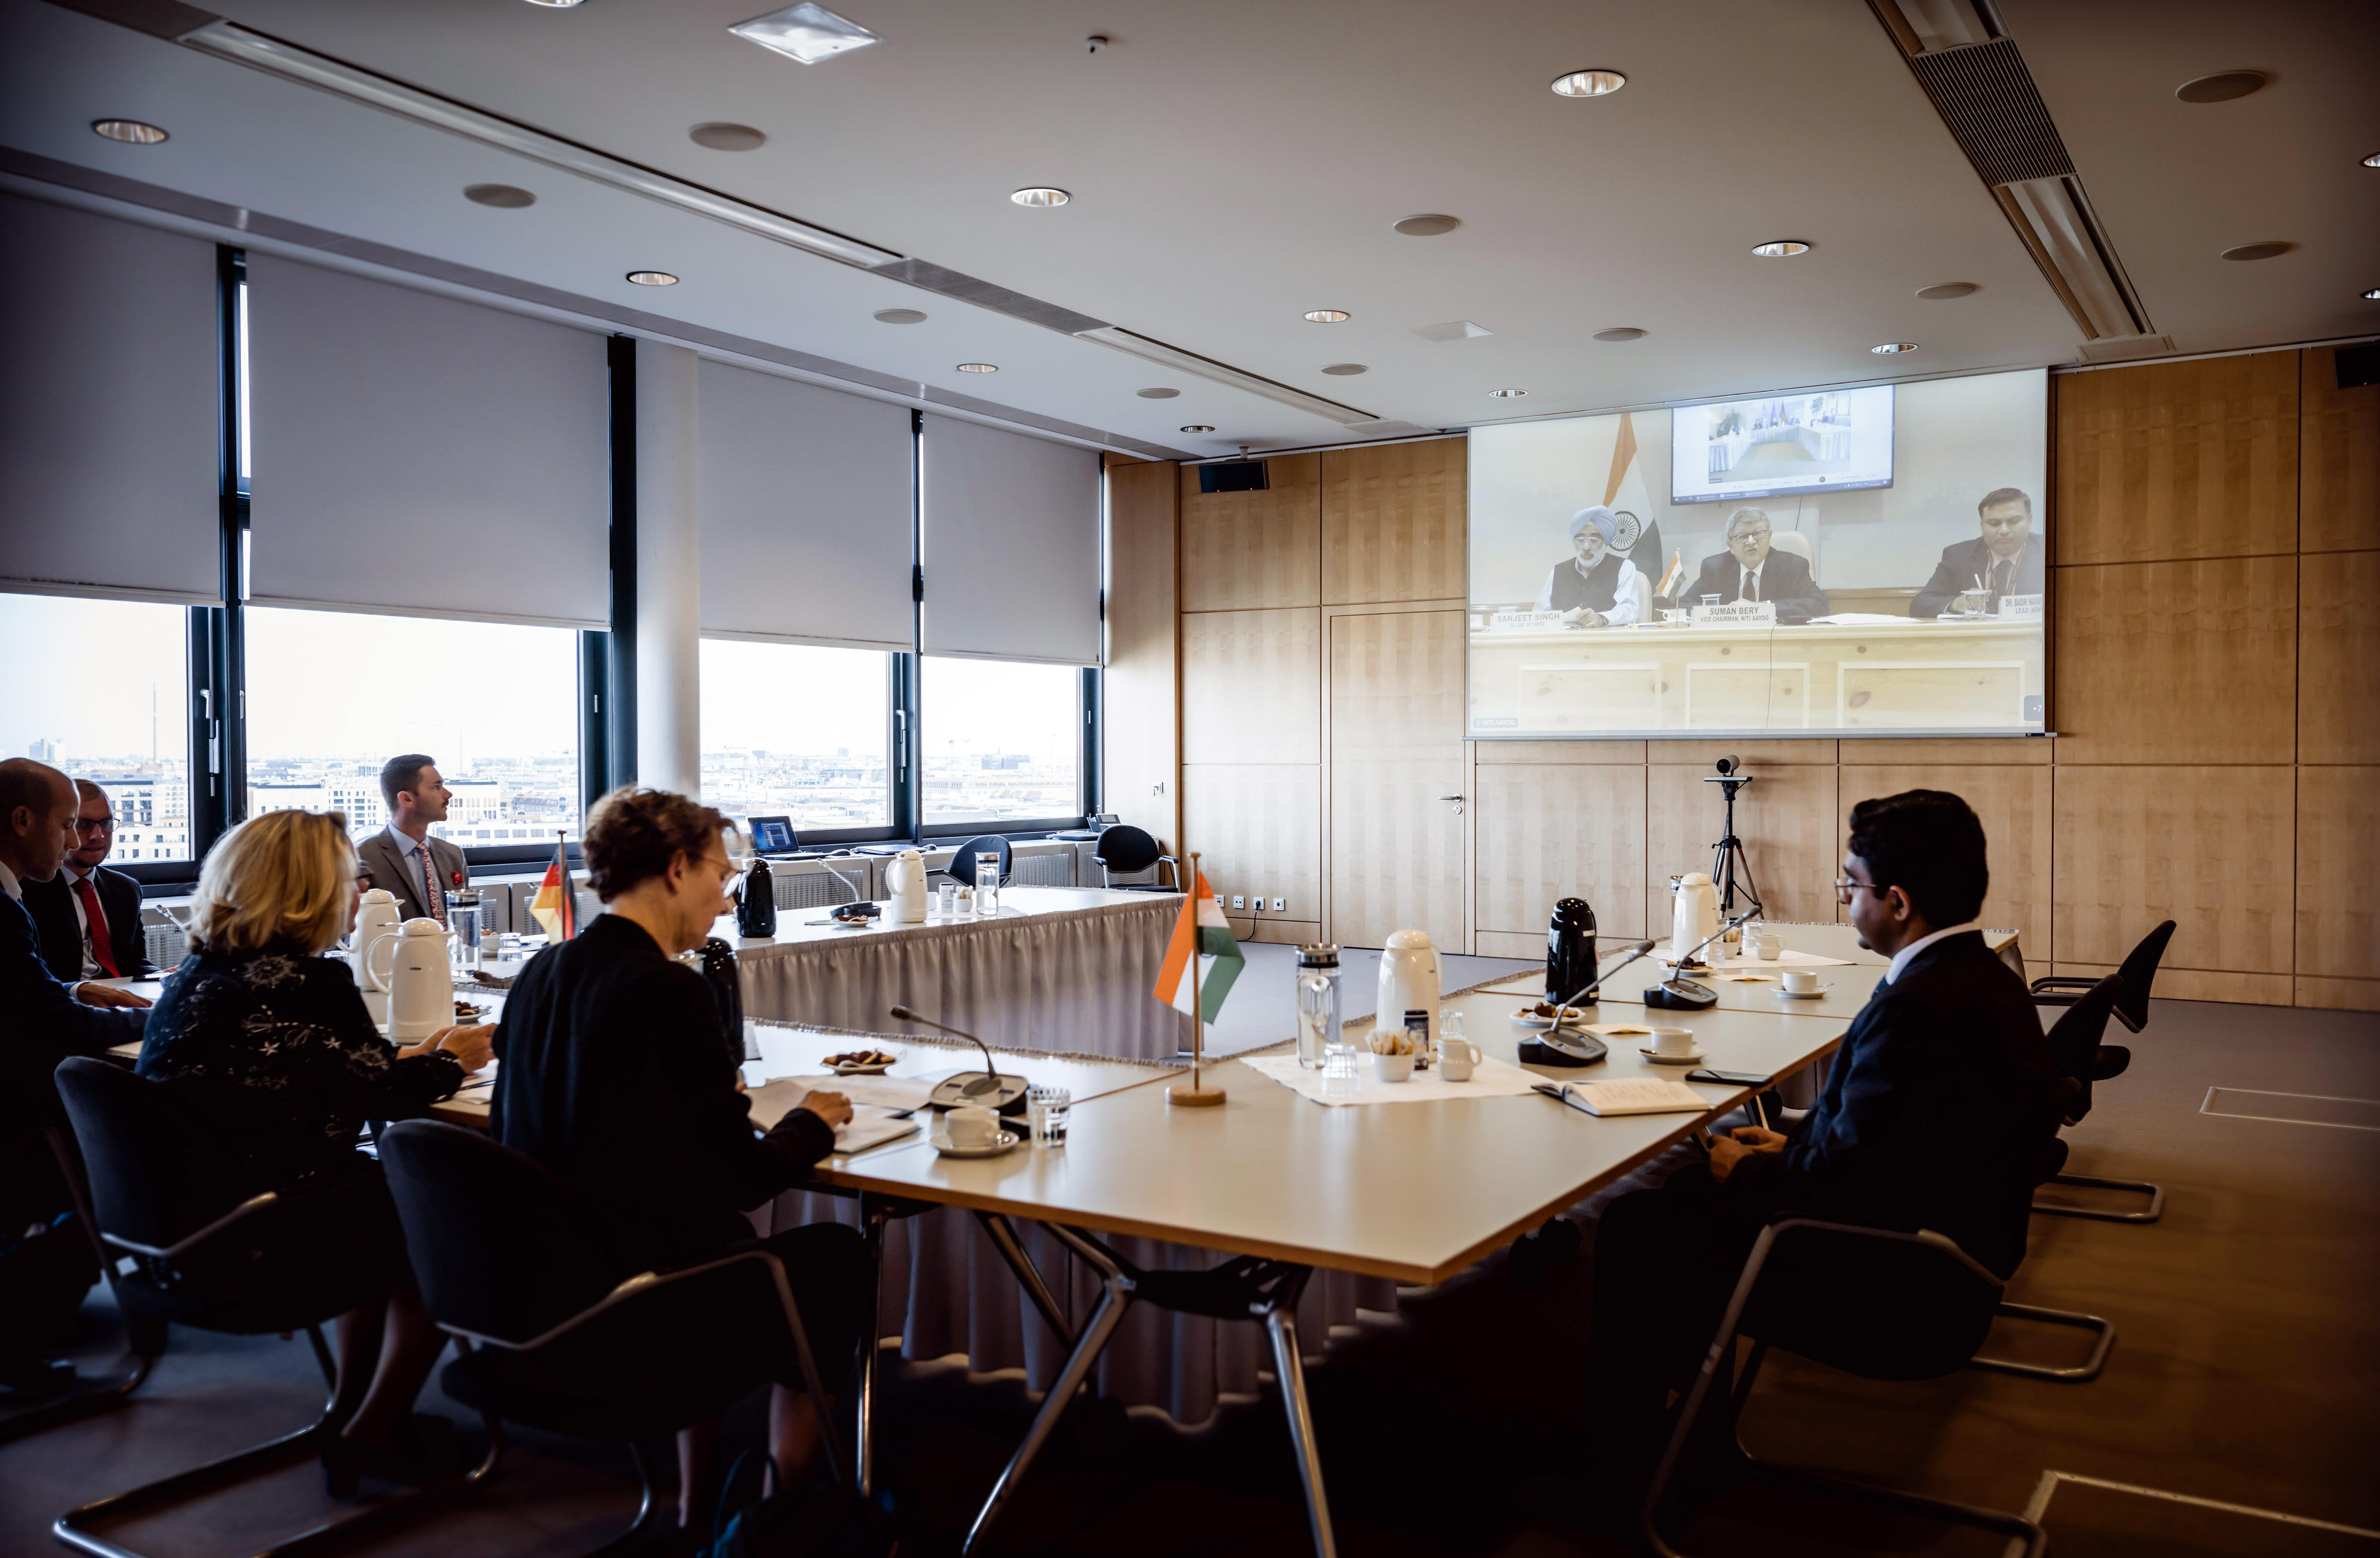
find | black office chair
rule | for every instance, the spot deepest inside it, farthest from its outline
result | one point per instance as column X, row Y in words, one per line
column 1126, row 850
column 166, row 1192
column 514, row 1265
column 965, row 864
column 1875, row 1302
column 2082, row 1060
column 2139, row 973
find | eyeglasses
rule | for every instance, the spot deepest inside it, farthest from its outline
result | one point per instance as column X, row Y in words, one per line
column 1845, row 886
column 95, row 824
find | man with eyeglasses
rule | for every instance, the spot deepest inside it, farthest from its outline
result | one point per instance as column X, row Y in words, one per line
column 89, row 917
column 1936, row 1111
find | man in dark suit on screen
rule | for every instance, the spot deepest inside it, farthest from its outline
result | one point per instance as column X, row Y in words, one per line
column 89, row 916
column 1753, row 569
column 2007, row 559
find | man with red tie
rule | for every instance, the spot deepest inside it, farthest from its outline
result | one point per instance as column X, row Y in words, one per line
column 403, row 857
column 89, row 917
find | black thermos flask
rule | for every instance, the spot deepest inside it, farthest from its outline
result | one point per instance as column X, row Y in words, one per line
column 719, row 973
column 1570, row 950
column 756, row 908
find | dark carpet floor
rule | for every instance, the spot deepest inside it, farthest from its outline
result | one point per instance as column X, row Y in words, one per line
column 2246, row 1372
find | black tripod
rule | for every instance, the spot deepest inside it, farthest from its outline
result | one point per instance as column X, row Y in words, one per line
column 1727, row 856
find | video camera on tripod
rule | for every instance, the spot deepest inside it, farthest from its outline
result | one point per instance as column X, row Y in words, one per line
column 1727, row 855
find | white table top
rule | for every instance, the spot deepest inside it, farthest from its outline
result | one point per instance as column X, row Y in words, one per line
column 801, row 928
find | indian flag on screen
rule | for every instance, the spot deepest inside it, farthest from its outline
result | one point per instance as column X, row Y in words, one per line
column 1201, row 933
column 554, row 906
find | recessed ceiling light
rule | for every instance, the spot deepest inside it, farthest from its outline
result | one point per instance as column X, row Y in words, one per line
column 1623, row 332
column 1197, row 427
column 1326, row 316
column 1041, row 197
column 652, row 278
column 2372, row 161
column 1588, row 83
column 2222, row 87
column 805, row 32
column 1428, row 225
column 504, row 196
column 1943, row 292
column 556, row 5
column 727, row 138
column 900, row 316
column 2266, row 250
column 1506, row 394
column 2372, row 295
column 1346, row 370
column 1159, row 393
column 1894, row 348
column 978, row 368
column 1780, row 248
column 132, row 132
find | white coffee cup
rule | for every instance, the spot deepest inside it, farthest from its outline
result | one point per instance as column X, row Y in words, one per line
column 1769, row 947
column 1393, row 1067
column 1801, row 981
column 1673, row 1042
column 1456, row 1058
column 972, row 1127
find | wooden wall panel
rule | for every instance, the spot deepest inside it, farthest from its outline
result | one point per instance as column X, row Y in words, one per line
column 1787, row 818
column 1258, row 827
column 1599, row 752
column 2338, row 862
column 2339, row 994
column 2338, row 657
column 1543, row 833
column 1142, row 731
column 2190, row 984
column 2339, row 498
column 1252, row 687
column 1393, row 522
column 2015, row 805
column 1246, row 549
column 1958, row 752
column 2177, row 459
column 2210, row 848
column 2177, row 662
column 1396, row 682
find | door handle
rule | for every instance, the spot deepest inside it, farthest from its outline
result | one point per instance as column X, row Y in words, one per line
column 1458, row 803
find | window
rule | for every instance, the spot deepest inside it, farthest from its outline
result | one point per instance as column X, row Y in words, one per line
column 331, row 695
column 110, row 708
column 1003, row 742
column 797, row 730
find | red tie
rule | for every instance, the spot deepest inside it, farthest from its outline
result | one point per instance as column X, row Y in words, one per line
column 431, row 899
column 103, row 951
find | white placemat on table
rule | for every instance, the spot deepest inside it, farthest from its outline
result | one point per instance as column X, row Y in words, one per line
column 1490, row 1079
column 1788, row 959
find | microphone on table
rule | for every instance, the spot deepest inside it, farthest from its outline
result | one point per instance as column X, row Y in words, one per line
column 1677, row 993
column 987, row 1088
column 1554, row 1047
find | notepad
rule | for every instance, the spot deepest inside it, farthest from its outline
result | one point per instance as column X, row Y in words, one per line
column 1635, row 1096
column 871, row 1125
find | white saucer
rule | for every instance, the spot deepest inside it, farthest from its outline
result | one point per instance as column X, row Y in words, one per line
column 1696, row 1058
column 1802, row 994
column 1007, row 1139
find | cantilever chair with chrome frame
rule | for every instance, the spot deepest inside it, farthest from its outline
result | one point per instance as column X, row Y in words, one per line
column 2104, row 1062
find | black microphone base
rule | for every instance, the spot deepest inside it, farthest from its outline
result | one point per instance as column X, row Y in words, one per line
column 1564, row 1049
column 951, row 1092
column 1680, row 994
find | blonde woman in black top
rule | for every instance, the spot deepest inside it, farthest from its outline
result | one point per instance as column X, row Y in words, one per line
column 269, row 1041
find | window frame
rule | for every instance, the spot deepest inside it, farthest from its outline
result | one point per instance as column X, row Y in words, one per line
column 1086, row 778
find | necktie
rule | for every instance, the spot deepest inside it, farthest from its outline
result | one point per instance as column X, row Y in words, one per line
column 1752, row 587
column 431, row 899
column 2003, row 574
column 102, row 950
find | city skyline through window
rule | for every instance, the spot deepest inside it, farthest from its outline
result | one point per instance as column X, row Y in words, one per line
column 797, row 730
column 1003, row 741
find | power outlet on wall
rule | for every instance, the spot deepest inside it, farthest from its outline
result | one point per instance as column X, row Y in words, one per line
column 1278, row 904
column 1239, row 900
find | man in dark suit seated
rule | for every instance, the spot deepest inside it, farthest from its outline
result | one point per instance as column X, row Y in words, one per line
column 403, row 857
column 1753, row 569
column 1935, row 1111
column 2007, row 559
column 42, row 1020
column 89, row 916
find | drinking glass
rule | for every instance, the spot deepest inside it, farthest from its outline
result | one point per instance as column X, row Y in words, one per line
column 1339, row 1079
column 946, row 900
column 1046, row 1111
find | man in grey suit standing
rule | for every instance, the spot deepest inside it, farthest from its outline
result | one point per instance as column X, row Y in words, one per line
column 403, row 857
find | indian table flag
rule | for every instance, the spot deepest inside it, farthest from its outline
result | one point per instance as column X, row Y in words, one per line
column 555, row 908
column 1202, row 932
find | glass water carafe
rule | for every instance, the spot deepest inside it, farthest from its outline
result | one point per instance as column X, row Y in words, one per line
column 1318, row 1004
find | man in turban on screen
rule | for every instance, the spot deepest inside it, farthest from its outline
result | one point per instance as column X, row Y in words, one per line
column 1596, row 586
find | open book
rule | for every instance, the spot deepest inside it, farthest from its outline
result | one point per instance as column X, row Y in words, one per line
column 871, row 1125
column 1634, row 1095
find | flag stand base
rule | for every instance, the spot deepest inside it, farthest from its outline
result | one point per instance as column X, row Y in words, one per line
column 1183, row 1095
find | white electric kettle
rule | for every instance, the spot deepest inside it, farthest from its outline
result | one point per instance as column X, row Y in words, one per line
column 1693, row 914
column 420, row 981
column 1409, row 980
column 905, row 885
column 376, row 917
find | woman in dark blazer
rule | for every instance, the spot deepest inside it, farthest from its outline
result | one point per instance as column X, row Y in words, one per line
column 270, row 1042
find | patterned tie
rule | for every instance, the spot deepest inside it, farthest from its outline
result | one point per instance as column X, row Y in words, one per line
column 102, row 950
column 432, row 897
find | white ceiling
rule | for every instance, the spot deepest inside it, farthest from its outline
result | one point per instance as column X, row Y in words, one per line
column 1236, row 163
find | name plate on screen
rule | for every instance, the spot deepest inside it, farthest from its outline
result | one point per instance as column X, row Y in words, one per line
column 1524, row 622
column 1737, row 613
column 2021, row 607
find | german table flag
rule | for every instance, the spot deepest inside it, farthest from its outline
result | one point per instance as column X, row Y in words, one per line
column 555, row 906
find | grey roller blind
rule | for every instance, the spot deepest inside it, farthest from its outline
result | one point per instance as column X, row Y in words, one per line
column 109, row 382
column 805, row 502
column 1011, row 546
column 418, row 454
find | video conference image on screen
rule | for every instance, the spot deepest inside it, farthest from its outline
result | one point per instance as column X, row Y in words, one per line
column 1830, row 562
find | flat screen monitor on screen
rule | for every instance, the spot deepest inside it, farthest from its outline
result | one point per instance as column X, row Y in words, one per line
column 1844, row 562
column 1772, row 445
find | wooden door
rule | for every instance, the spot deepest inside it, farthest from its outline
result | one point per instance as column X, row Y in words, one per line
column 1397, row 773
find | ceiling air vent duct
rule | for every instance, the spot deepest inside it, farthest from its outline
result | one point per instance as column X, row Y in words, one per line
column 1978, row 82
